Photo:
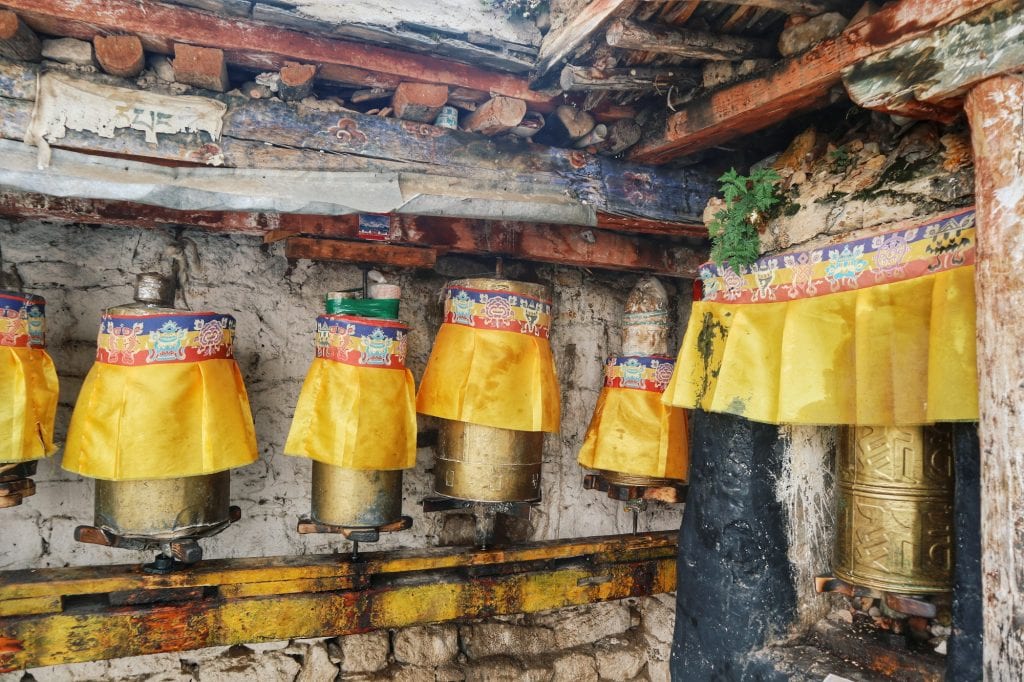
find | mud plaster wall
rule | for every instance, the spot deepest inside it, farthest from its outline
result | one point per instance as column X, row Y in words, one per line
column 82, row 269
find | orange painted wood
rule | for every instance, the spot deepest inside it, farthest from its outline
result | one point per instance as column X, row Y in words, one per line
column 262, row 47
column 203, row 67
column 798, row 84
column 420, row 102
column 120, row 55
column 496, row 116
column 296, row 80
column 360, row 252
column 18, row 41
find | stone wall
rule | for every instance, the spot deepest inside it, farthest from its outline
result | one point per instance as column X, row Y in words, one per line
column 82, row 269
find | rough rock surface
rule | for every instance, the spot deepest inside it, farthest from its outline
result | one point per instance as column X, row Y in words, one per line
column 801, row 37
column 68, row 51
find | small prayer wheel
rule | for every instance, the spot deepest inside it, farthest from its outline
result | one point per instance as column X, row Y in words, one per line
column 895, row 508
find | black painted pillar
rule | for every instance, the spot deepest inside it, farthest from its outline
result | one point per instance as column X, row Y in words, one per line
column 735, row 586
column 964, row 656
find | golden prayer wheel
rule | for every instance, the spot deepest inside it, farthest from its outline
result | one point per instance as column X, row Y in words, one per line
column 354, row 498
column 895, row 508
column 491, row 381
column 162, row 418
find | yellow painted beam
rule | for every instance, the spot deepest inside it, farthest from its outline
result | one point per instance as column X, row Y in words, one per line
column 249, row 600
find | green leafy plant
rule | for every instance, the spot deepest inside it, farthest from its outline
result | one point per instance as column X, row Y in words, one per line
column 841, row 159
column 733, row 230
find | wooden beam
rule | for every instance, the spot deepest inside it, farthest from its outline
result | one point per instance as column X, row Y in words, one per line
column 296, row 81
column 120, row 55
column 203, row 67
column 496, row 115
column 95, row 613
column 360, row 252
column 263, row 47
column 560, row 44
column 419, row 101
column 626, row 34
column 18, row 41
column 927, row 77
column 995, row 109
column 804, row 7
column 586, row 78
column 795, row 85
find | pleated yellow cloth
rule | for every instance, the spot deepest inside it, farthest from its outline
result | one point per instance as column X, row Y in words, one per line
column 491, row 363
column 357, row 406
column 878, row 331
column 632, row 431
column 28, row 381
column 164, row 399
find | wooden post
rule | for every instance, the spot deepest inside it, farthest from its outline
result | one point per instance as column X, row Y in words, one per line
column 120, row 55
column 18, row 41
column 203, row 67
column 496, row 116
column 996, row 112
column 296, row 81
column 419, row 101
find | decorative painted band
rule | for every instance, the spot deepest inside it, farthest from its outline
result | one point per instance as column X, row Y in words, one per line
column 135, row 340
column 362, row 341
column 639, row 372
column 944, row 243
column 497, row 310
column 22, row 320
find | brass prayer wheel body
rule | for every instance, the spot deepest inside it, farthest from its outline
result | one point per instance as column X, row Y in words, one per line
column 895, row 508
column 354, row 498
column 487, row 464
column 165, row 509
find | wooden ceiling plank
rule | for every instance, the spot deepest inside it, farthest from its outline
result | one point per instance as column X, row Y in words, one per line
column 634, row 35
column 798, row 84
column 260, row 46
column 559, row 44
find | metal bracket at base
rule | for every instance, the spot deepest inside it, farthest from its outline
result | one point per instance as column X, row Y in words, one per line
column 483, row 512
column 909, row 605
column 16, row 484
column 307, row 525
column 669, row 494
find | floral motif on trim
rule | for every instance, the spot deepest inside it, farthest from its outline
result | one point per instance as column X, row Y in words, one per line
column 22, row 320
column 638, row 372
column 135, row 340
column 944, row 243
column 361, row 341
column 497, row 310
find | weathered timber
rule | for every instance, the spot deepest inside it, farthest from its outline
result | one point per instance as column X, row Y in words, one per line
column 78, row 614
column 120, row 55
column 360, row 252
column 270, row 134
column 576, row 78
column 203, row 67
column 496, row 115
column 263, row 47
column 18, row 41
column 420, row 102
column 560, row 44
column 563, row 125
column 995, row 109
column 296, row 81
column 795, row 85
column 621, row 136
column 234, row 8
column 802, row 7
column 927, row 77
column 626, row 34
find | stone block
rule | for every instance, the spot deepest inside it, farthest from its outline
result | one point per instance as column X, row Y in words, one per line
column 586, row 624
column 453, row 672
column 430, row 645
column 658, row 617
column 68, row 51
column 482, row 640
column 494, row 669
column 411, row 673
column 619, row 658
column 365, row 653
column 574, row 666
column 802, row 37
column 317, row 665
column 239, row 663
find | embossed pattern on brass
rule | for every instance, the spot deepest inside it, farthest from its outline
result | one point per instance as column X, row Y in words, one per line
column 165, row 509
column 541, row 291
column 895, row 508
column 354, row 498
column 620, row 478
column 487, row 464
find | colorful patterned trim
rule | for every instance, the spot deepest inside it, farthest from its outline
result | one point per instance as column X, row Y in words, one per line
column 22, row 320
column 362, row 341
column 499, row 310
column 640, row 372
column 133, row 340
column 943, row 244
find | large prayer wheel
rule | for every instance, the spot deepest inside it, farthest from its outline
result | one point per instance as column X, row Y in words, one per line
column 491, row 381
column 895, row 508
column 162, row 418
column 355, row 498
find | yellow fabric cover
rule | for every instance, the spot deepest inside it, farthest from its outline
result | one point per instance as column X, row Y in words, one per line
column 28, row 383
column 892, row 354
column 160, row 421
column 633, row 432
column 355, row 417
column 492, row 378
